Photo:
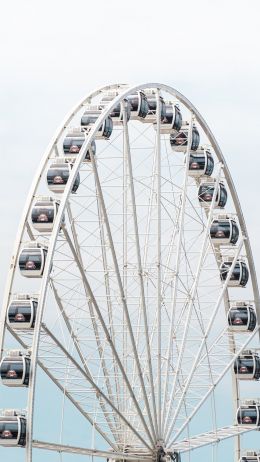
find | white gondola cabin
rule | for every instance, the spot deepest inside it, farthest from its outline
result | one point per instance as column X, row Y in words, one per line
column 247, row 366
column 224, row 230
column 249, row 413
column 152, row 107
column 138, row 105
column 172, row 121
column 201, row 163
column 90, row 117
column 15, row 369
column 242, row 317
column 117, row 112
column 250, row 456
column 58, row 175
column 21, row 312
column 73, row 143
column 179, row 141
column 12, row 428
column 44, row 212
column 32, row 260
column 240, row 274
column 206, row 192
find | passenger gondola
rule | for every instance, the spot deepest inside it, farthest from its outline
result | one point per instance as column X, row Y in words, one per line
column 12, row 428
column 21, row 312
column 58, row 176
column 179, row 141
column 242, row 317
column 15, row 369
column 32, row 260
column 172, row 120
column 152, row 107
column 73, row 143
column 248, row 413
column 90, row 117
column 250, row 456
column 44, row 212
column 138, row 105
column 117, row 112
column 247, row 366
column 206, row 192
column 201, row 163
column 224, row 230
column 240, row 274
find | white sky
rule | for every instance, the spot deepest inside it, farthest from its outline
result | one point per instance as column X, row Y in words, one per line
column 53, row 52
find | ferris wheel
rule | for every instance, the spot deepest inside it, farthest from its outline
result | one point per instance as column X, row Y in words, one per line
column 132, row 292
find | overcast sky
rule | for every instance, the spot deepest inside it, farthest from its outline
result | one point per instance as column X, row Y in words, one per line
column 53, row 52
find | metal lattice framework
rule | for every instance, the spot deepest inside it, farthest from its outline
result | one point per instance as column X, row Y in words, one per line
column 131, row 322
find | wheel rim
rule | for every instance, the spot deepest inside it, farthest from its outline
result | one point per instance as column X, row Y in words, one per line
column 125, row 240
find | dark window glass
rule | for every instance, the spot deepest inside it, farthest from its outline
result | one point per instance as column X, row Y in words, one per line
column 108, row 127
column 206, row 193
column 252, row 323
column 58, row 176
column 238, row 317
column 144, row 108
column 152, row 104
column 247, row 416
column 245, row 274
column 236, row 274
column 223, row 196
column 178, row 119
column 8, row 430
column 163, row 109
column 180, row 139
column 220, row 230
column 19, row 314
column 116, row 111
column 235, row 232
column 210, row 164
column 244, row 366
column 76, row 183
column 197, row 162
column 134, row 101
column 168, row 117
column 42, row 215
column 12, row 370
column 71, row 144
column 22, row 439
column 28, row 261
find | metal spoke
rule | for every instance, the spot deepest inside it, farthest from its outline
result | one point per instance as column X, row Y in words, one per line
column 204, row 339
column 122, row 294
column 65, row 391
column 191, row 296
column 113, row 455
column 108, row 337
column 140, row 268
column 205, row 439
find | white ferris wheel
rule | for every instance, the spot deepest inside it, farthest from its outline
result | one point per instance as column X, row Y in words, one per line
column 132, row 288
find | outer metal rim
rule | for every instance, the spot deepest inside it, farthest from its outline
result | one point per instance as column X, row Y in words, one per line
column 52, row 242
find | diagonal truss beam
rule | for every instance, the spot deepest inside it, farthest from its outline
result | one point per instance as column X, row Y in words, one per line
column 65, row 391
column 114, row 455
column 204, row 339
column 122, row 296
column 139, row 263
column 109, row 339
column 204, row 439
